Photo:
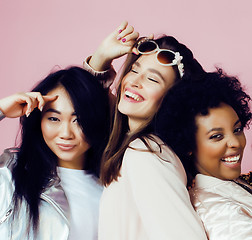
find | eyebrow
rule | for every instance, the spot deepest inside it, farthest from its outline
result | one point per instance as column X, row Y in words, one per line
column 57, row 112
column 151, row 70
column 220, row 129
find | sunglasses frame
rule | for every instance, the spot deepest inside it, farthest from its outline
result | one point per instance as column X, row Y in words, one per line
column 177, row 57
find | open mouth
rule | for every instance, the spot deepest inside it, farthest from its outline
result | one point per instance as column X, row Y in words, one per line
column 133, row 96
column 231, row 160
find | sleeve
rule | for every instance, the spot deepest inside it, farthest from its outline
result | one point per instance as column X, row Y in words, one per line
column 225, row 219
column 1, row 115
column 105, row 77
column 161, row 196
column 6, row 192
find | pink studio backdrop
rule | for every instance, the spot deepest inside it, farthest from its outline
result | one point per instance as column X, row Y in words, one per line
column 38, row 36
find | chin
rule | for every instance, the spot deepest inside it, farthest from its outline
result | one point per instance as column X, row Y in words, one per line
column 233, row 176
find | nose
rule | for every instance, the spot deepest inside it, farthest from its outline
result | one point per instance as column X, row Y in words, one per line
column 136, row 81
column 233, row 142
column 66, row 131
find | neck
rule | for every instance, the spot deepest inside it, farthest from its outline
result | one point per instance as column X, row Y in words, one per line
column 77, row 164
column 136, row 124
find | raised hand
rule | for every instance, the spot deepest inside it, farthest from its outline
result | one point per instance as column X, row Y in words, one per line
column 20, row 104
column 115, row 45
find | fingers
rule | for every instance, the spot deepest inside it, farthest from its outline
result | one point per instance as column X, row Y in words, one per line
column 47, row 98
column 130, row 38
column 25, row 103
column 151, row 36
column 126, row 32
column 122, row 26
column 20, row 104
column 134, row 49
column 37, row 100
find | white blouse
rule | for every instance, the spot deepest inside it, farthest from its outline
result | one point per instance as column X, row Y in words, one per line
column 224, row 207
column 83, row 193
column 150, row 199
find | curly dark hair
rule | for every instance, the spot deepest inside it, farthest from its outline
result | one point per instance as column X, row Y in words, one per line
column 176, row 118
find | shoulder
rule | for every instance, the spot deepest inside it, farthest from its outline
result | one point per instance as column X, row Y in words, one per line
column 153, row 146
column 96, row 183
column 156, row 145
column 213, row 193
column 160, row 158
column 6, row 183
column 8, row 157
column 220, row 204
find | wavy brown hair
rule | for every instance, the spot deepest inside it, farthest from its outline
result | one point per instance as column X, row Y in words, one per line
column 119, row 139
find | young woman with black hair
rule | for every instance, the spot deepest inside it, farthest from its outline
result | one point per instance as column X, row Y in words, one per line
column 49, row 187
column 204, row 126
column 145, row 195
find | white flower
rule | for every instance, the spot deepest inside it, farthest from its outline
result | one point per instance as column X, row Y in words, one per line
column 177, row 61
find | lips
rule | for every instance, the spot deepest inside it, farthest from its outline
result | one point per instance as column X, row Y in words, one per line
column 133, row 96
column 65, row 147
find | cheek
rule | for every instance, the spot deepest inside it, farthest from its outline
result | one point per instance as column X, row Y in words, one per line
column 48, row 131
column 85, row 145
column 208, row 155
column 82, row 138
column 156, row 96
column 243, row 141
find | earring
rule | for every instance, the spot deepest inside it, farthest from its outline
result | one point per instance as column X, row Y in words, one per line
column 189, row 153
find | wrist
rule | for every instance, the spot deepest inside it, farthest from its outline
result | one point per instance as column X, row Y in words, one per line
column 100, row 62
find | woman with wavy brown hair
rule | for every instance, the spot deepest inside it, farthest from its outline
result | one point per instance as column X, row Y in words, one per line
column 145, row 195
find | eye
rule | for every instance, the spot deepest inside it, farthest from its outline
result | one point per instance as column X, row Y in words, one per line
column 216, row 137
column 238, row 130
column 153, row 80
column 53, row 119
column 134, row 71
column 77, row 120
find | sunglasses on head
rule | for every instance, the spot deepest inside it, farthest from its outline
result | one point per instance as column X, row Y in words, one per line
column 165, row 57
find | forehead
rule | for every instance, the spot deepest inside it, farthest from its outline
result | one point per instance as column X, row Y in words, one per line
column 63, row 102
column 150, row 62
column 221, row 116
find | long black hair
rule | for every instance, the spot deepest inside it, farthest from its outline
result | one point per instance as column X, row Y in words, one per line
column 176, row 124
column 36, row 163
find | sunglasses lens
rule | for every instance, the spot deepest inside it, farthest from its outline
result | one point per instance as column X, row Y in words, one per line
column 146, row 47
column 165, row 57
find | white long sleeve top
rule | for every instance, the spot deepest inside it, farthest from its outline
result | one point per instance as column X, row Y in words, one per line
column 224, row 207
column 149, row 201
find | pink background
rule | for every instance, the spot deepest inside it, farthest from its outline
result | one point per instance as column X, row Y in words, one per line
column 37, row 36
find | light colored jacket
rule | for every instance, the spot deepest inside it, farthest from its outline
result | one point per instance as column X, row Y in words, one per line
column 53, row 210
column 224, row 207
column 150, row 200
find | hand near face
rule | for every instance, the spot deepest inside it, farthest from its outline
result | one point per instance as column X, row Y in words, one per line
column 115, row 45
column 20, row 104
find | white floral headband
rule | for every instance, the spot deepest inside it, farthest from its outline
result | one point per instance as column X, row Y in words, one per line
column 165, row 57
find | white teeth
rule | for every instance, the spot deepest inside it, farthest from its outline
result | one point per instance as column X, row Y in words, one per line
column 232, row 159
column 132, row 95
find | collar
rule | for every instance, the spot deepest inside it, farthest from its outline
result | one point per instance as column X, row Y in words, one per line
column 56, row 196
column 205, row 181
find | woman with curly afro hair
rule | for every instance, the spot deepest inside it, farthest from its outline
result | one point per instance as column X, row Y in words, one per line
column 204, row 125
